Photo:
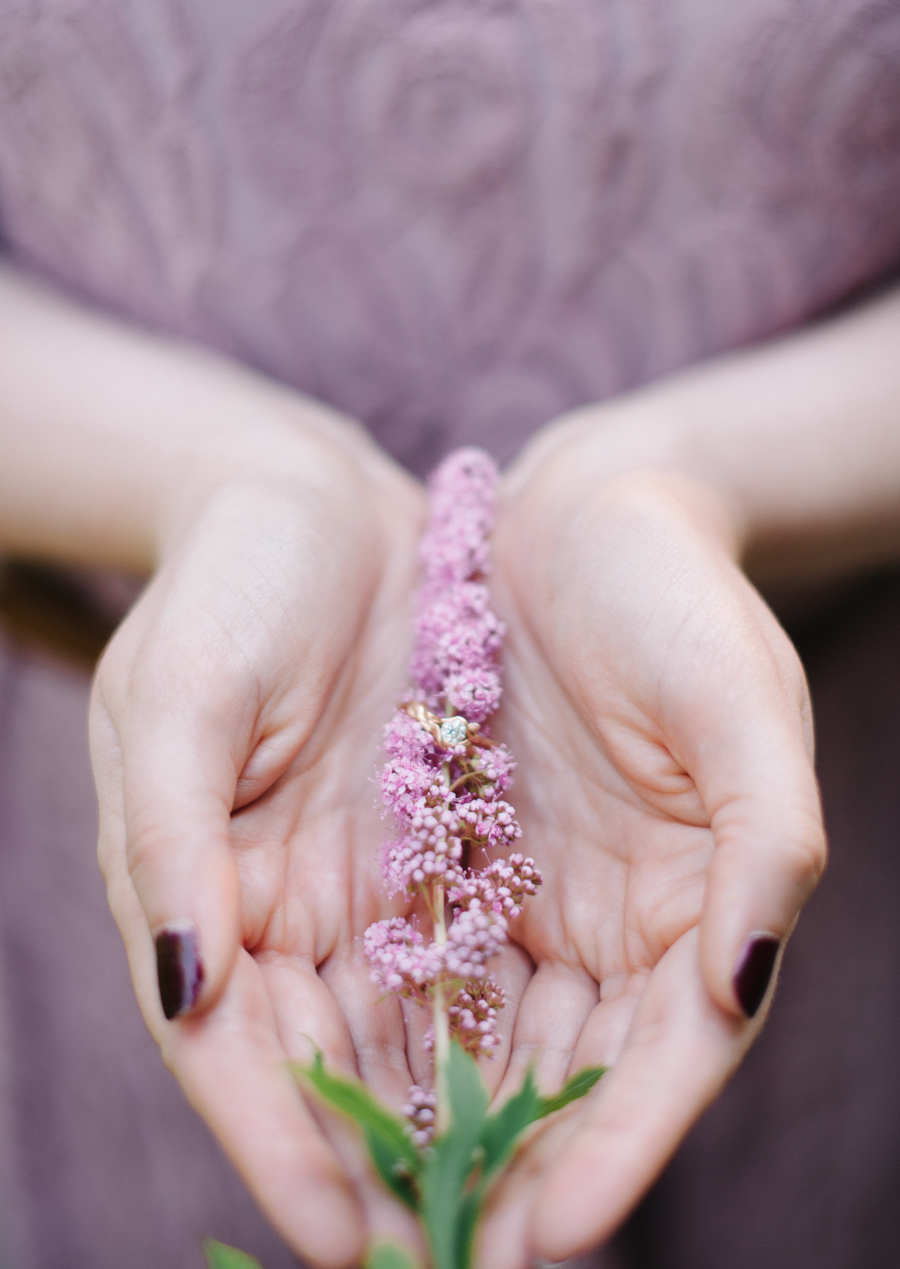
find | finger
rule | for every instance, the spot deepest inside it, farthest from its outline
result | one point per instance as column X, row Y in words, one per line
column 554, row 1008
column 177, row 781
column 756, row 778
column 561, row 1027
column 546, row 1024
column 502, row 1235
column 376, row 1043
column 234, row 1070
column 356, row 1039
column 679, row 1051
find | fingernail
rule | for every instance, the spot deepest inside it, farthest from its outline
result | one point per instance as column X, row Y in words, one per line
column 179, row 967
column 753, row 971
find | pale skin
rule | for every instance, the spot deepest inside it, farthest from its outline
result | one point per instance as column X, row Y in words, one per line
column 658, row 713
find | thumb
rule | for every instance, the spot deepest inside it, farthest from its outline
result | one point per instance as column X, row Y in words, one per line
column 168, row 827
column 759, row 787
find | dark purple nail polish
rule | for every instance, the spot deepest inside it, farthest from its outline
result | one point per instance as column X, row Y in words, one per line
column 754, row 971
column 179, row 968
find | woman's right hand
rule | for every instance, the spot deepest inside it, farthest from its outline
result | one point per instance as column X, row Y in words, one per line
column 234, row 727
column 235, row 719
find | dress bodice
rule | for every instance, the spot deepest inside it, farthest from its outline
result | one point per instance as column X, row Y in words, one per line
column 454, row 218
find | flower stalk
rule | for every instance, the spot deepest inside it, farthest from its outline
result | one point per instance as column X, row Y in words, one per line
column 444, row 782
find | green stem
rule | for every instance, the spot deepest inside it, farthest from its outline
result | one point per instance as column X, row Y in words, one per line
column 441, row 1018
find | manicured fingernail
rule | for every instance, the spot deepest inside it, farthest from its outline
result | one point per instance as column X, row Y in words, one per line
column 753, row 971
column 179, row 967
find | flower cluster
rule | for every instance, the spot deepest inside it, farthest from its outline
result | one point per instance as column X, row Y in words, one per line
column 419, row 1110
column 400, row 960
column 444, row 781
column 474, row 1010
column 458, row 636
column 503, row 886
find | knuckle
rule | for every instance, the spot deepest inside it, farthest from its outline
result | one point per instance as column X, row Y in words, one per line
column 806, row 855
column 145, row 849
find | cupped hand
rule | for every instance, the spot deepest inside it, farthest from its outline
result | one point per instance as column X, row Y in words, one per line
column 665, row 785
column 235, row 724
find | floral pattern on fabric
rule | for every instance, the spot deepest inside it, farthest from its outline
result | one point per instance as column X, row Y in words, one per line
column 454, row 218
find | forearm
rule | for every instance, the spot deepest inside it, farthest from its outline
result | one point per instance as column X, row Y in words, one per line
column 110, row 437
column 800, row 439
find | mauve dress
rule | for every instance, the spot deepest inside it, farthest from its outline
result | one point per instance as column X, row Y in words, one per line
column 454, row 219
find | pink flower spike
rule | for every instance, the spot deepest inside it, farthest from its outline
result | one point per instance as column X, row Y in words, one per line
column 444, row 780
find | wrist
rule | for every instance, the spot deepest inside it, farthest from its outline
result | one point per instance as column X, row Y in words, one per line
column 298, row 451
column 262, row 458
column 626, row 456
column 108, row 459
column 670, row 493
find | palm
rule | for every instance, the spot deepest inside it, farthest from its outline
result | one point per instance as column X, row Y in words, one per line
column 623, row 874
column 307, row 852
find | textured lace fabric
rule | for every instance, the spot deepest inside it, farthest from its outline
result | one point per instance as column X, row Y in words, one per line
column 454, row 218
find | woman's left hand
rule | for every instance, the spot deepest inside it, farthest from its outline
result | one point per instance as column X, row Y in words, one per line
column 665, row 785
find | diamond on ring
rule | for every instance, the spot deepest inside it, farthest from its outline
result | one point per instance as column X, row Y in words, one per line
column 454, row 731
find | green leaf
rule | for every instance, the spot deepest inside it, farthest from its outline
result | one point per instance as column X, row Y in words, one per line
column 354, row 1100
column 396, row 1159
column 392, row 1169
column 218, row 1256
column 467, row 1222
column 579, row 1085
column 502, row 1130
column 389, row 1256
column 449, row 1215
